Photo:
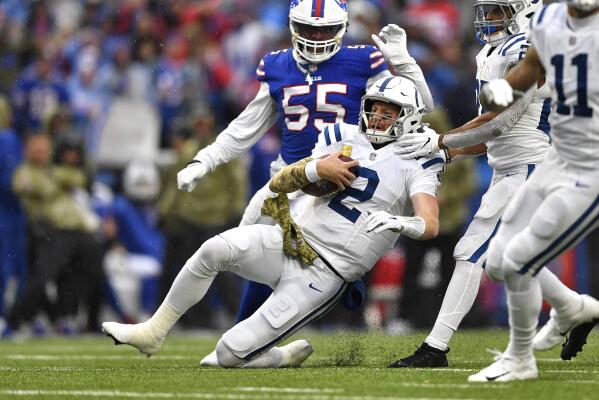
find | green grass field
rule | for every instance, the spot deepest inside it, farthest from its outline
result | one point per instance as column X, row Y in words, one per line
column 342, row 367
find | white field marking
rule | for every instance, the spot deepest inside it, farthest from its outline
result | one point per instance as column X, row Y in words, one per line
column 570, row 371
column 285, row 389
column 456, row 385
column 178, row 395
column 48, row 357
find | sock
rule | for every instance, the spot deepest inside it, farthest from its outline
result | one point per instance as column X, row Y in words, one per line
column 564, row 300
column 186, row 291
column 458, row 300
column 270, row 359
column 524, row 304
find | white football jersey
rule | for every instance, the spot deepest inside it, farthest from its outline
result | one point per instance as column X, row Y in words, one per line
column 335, row 227
column 569, row 51
column 528, row 140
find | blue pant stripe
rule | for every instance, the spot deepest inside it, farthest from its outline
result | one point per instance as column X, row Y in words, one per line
column 587, row 228
column 326, row 306
column 557, row 244
column 483, row 248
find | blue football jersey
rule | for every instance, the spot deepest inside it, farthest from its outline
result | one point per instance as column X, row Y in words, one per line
column 330, row 95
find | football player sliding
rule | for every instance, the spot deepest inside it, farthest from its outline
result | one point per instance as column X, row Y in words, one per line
column 309, row 259
column 315, row 83
column 515, row 142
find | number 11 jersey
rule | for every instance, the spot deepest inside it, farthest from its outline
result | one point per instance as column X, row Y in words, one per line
column 569, row 51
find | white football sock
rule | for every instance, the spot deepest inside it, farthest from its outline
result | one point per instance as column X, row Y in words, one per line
column 186, row 291
column 564, row 300
column 458, row 300
column 524, row 303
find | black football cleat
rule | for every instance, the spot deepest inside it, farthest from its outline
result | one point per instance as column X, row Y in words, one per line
column 577, row 339
column 424, row 357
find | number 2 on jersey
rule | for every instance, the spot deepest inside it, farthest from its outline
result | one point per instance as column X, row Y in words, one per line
column 581, row 109
column 353, row 214
column 302, row 113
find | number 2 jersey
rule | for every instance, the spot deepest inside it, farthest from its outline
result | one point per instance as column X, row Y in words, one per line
column 303, row 99
column 335, row 227
column 569, row 51
column 527, row 141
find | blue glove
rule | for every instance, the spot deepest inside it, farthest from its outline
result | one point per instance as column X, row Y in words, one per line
column 354, row 295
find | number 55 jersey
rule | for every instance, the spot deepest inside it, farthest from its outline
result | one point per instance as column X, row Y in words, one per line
column 569, row 51
column 310, row 96
column 335, row 227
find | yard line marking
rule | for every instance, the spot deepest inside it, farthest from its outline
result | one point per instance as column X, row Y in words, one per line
column 286, row 389
column 178, row 395
column 48, row 357
column 456, row 385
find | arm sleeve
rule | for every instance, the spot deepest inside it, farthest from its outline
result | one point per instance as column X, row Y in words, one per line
column 413, row 72
column 243, row 132
column 291, row 178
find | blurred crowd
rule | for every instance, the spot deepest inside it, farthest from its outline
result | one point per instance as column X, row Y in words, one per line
column 102, row 102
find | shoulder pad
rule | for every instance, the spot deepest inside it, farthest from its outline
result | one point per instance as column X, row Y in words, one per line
column 541, row 17
column 337, row 132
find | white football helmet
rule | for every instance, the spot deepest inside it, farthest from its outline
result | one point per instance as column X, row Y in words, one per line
column 141, row 181
column 399, row 92
column 584, row 5
column 317, row 27
column 516, row 16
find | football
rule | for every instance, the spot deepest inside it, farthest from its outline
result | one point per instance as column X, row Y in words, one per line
column 324, row 188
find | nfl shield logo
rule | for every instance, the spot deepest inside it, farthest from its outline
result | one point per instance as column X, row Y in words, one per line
column 342, row 4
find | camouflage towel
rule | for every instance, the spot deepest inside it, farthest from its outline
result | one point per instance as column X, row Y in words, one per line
column 294, row 243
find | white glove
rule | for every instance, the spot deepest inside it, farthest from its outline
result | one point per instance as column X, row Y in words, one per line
column 496, row 95
column 253, row 211
column 379, row 221
column 188, row 177
column 419, row 144
column 392, row 42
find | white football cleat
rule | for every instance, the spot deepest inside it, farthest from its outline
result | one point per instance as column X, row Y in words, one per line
column 295, row 353
column 210, row 360
column 556, row 329
column 550, row 334
column 506, row 369
column 139, row 336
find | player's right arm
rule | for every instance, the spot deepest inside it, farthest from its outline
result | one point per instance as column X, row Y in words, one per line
column 301, row 173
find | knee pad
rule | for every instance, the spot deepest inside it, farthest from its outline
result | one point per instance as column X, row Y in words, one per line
column 240, row 340
column 544, row 225
column 210, row 258
column 225, row 356
column 494, row 270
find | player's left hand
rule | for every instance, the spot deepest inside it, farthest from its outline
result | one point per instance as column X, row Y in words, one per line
column 380, row 221
column 420, row 144
column 392, row 42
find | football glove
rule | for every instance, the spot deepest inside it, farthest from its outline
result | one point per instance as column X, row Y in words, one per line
column 419, row 144
column 496, row 95
column 392, row 42
column 379, row 221
column 188, row 177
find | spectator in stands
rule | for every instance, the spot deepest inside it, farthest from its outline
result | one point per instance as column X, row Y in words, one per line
column 12, row 221
column 189, row 219
column 133, row 262
column 61, row 237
